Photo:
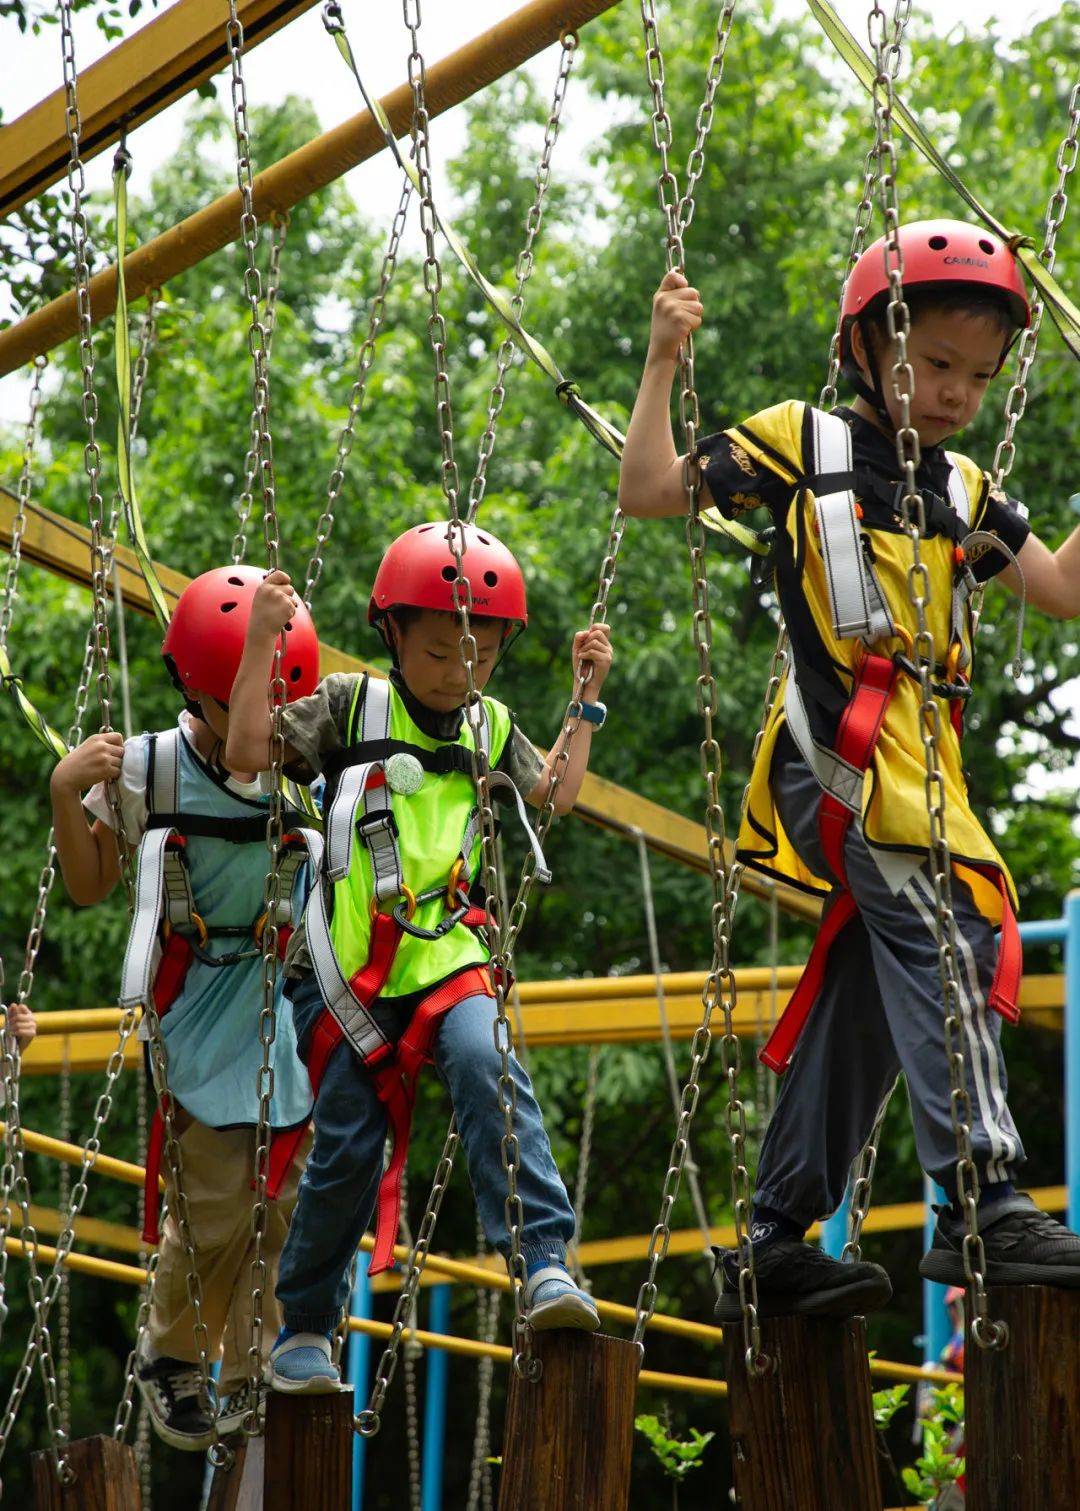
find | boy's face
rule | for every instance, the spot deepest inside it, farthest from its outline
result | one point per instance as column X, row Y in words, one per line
column 429, row 657
column 953, row 356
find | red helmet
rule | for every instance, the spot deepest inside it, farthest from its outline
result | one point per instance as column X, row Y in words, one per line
column 937, row 253
column 419, row 571
column 205, row 638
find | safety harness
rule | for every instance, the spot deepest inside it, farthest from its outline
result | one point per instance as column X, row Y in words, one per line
column 860, row 611
column 362, row 782
column 168, row 934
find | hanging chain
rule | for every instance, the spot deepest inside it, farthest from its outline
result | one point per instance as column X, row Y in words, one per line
column 987, row 1334
column 356, row 397
column 279, row 229
column 487, row 1321
column 368, row 1421
column 258, row 344
column 474, row 707
column 26, row 476
column 862, row 1181
column 581, row 1189
column 523, row 271
column 412, row 1352
column 64, row 1198
column 720, row 987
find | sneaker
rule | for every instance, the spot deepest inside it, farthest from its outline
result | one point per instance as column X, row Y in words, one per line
column 1023, row 1246
column 302, row 1364
column 794, row 1277
column 173, row 1392
column 552, row 1299
column 235, row 1407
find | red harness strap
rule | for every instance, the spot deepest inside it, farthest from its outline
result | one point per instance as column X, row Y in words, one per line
column 856, row 740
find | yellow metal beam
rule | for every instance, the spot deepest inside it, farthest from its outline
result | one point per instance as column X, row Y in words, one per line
column 609, row 1010
column 55, row 543
column 319, row 162
column 172, row 54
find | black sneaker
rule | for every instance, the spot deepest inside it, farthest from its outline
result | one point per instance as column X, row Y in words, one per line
column 797, row 1277
column 173, row 1392
column 1023, row 1246
column 235, row 1408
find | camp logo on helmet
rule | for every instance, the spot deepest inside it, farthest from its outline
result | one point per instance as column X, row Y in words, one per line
column 966, row 262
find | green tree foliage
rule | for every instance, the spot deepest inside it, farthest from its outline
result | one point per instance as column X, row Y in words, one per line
column 766, row 246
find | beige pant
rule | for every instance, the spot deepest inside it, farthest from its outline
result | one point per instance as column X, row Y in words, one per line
column 217, row 1173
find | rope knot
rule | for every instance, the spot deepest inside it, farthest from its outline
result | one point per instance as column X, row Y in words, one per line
column 1018, row 240
column 567, row 390
column 332, row 18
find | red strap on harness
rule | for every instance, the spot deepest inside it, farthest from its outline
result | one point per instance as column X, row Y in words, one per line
column 151, row 1226
column 856, row 740
column 1004, row 995
column 781, row 1043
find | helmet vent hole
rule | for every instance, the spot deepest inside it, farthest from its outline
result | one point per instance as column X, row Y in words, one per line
column 295, row 674
column 986, row 246
column 449, row 573
column 483, row 538
column 423, row 530
column 491, row 578
column 227, row 608
column 939, row 243
column 236, row 582
column 288, row 626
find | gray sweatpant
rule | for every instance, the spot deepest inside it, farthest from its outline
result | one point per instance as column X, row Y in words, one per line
column 880, row 1012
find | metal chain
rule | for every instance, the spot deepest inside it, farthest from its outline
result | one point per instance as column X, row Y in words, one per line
column 258, row 344
column 862, row 1181
column 26, row 475
column 279, row 227
column 695, row 163
column 368, row 1421
column 413, row 1351
column 356, row 397
column 581, row 1189
column 64, row 1198
column 720, row 987
column 487, row 1321
column 523, row 271
column 986, row 1333
column 474, row 708
column 151, row 1258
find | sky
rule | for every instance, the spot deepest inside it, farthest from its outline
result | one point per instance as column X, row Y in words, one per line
column 300, row 59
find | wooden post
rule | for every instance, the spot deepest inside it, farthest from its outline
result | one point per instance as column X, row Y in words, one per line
column 106, row 1478
column 569, row 1436
column 303, row 1459
column 804, row 1435
column 1022, row 1404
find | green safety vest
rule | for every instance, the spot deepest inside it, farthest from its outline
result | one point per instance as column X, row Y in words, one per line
column 430, row 826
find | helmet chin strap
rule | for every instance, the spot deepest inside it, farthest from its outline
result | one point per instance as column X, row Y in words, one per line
column 873, row 394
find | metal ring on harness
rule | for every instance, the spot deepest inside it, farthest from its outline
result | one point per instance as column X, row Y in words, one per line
column 407, row 895
column 460, row 907
column 899, row 633
column 453, row 882
column 202, row 933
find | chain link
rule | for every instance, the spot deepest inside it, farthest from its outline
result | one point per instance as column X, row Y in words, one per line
column 862, row 1181
column 356, row 397
column 18, row 528
column 987, row 1334
column 279, row 228
column 487, row 1321
column 720, row 990
column 523, row 271
column 581, row 1189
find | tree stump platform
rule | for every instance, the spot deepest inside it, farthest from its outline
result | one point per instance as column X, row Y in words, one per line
column 804, row 1435
column 303, row 1459
column 570, row 1435
column 1022, row 1404
column 106, row 1478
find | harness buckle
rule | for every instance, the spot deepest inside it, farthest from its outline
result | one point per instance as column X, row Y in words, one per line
column 453, row 883
column 408, row 898
column 202, row 933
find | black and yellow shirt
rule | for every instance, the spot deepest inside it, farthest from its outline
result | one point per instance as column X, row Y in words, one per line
column 762, row 464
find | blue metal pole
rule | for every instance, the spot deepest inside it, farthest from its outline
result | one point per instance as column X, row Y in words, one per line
column 359, row 1361
column 1072, row 1054
column 1044, row 930
column 834, row 1228
column 937, row 1329
column 437, row 1362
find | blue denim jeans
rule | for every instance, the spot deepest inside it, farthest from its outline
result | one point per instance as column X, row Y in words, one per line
column 338, row 1187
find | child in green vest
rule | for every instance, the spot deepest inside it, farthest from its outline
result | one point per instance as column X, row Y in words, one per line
column 390, row 970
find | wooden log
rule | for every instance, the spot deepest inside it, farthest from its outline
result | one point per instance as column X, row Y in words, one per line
column 1022, row 1404
column 570, row 1435
column 303, row 1459
column 106, row 1478
column 804, row 1435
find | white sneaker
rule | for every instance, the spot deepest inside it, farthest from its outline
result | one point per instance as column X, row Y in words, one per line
column 553, row 1299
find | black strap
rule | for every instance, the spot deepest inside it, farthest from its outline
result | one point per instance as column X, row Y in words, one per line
column 238, row 831
column 941, row 517
column 449, row 758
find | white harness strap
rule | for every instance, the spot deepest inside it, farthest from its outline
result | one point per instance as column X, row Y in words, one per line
column 856, row 601
column 143, row 953
column 834, row 774
column 359, row 1027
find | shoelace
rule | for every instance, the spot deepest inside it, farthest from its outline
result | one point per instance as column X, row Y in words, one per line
column 182, row 1383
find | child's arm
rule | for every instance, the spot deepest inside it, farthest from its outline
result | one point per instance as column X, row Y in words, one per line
column 247, row 747
column 89, row 862
column 651, row 474
column 593, row 646
column 1052, row 578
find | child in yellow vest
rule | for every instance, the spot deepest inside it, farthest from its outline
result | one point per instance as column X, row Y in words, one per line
column 390, row 969
column 837, row 801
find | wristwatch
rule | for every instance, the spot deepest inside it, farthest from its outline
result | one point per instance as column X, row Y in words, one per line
column 594, row 713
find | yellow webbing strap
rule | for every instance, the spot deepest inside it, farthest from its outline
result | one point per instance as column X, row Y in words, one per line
column 40, row 726
column 1063, row 311
column 122, row 341
column 567, row 391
